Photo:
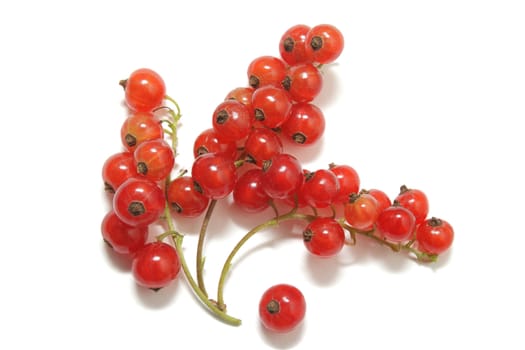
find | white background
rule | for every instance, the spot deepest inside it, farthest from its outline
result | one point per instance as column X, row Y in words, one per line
column 426, row 93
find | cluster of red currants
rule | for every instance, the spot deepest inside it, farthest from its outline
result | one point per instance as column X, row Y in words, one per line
column 242, row 154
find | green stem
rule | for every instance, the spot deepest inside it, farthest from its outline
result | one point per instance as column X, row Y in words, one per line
column 292, row 215
column 212, row 307
column 175, row 115
column 200, row 246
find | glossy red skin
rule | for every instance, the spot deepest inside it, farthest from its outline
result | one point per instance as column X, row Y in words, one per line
column 261, row 145
column 184, row 198
column 209, row 141
column 305, row 124
column 274, row 103
column 396, row 224
column 320, row 188
column 155, row 265
column 268, row 70
column 145, row 90
column 215, row 174
column 434, row 237
column 362, row 212
column 324, row 237
column 236, row 125
column 248, row 193
column 143, row 191
column 414, row 200
column 123, row 238
column 349, row 181
column 292, row 308
column 158, row 156
column 305, row 82
column 383, row 201
column 141, row 127
column 118, row 168
column 283, row 176
column 298, row 54
column 242, row 94
column 332, row 43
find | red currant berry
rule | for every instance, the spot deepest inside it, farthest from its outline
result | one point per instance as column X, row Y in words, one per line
column 121, row 237
column 156, row 265
column 414, row 200
column 241, row 94
column 324, row 237
column 434, row 236
column 305, row 124
column 383, row 201
column 139, row 202
column 184, row 199
column 282, row 308
column 232, row 120
column 116, row 169
column 320, row 188
column 261, row 145
column 145, row 90
column 396, row 224
column 214, row 175
column 266, row 70
column 292, row 45
column 303, row 82
column 209, row 141
column 349, row 181
column 248, row 193
column 361, row 211
column 324, row 43
column 272, row 106
column 282, row 176
column 140, row 127
column 154, row 159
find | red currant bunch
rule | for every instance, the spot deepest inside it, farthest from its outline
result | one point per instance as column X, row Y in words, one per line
column 244, row 154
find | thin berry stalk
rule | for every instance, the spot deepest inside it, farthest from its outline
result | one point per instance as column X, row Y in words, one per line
column 210, row 305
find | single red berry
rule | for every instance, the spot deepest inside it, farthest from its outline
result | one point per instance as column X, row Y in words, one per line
column 261, row 145
column 325, row 43
column 242, row 94
column 414, row 200
column 396, row 224
column 144, row 90
column 155, row 265
column 349, row 181
column 184, row 199
column 140, row 127
column 209, row 141
column 139, row 202
column 232, row 120
column 121, row 237
column 324, row 237
column 116, row 169
column 361, row 211
column 292, row 45
column 320, row 188
column 305, row 124
column 282, row 176
column 266, row 70
column 154, row 159
column 282, row 308
column 383, row 201
column 214, row 175
column 303, row 81
column 248, row 193
column 272, row 106
column 434, row 236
